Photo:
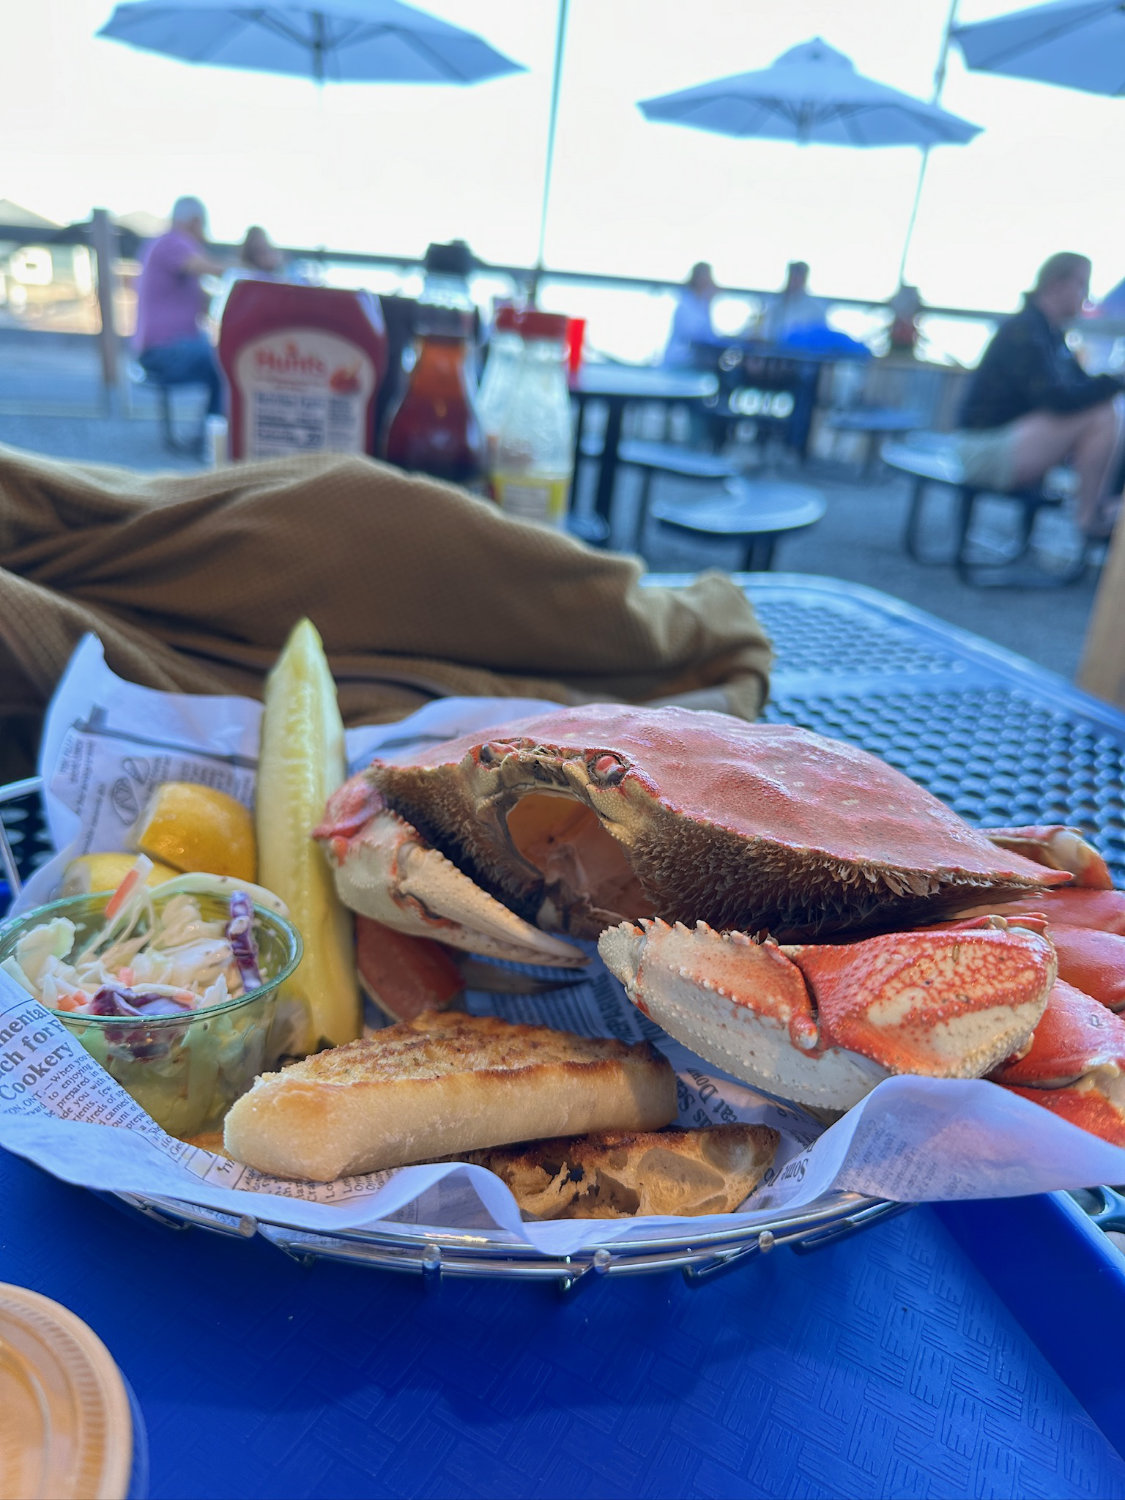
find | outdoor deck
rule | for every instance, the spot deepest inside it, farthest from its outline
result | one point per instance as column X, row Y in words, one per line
column 51, row 402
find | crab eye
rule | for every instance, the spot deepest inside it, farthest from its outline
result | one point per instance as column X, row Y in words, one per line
column 606, row 769
column 497, row 750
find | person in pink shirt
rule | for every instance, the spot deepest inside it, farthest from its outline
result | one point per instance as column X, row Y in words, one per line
column 171, row 344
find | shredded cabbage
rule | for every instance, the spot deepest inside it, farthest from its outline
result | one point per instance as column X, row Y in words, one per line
column 142, row 961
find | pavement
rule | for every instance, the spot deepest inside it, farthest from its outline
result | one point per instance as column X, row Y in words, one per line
column 52, row 402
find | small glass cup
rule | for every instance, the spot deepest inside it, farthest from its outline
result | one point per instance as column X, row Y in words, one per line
column 184, row 1070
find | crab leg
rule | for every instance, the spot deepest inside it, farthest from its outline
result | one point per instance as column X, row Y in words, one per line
column 404, row 976
column 1075, row 1066
column 823, row 1024
column 1056, row 847
column 1074, row 905
column 385, row 869
column 1092, row 961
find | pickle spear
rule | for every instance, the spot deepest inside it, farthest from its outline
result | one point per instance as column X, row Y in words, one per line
column 301, row 762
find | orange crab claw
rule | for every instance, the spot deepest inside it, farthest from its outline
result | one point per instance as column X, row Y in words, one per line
column 919, row 1004
column 1075, row 1065
column 1057, row 848
column 822, row 1025
column 386, row 870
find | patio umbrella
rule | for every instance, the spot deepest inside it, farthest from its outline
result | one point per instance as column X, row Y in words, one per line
column 811, row 94
column 345, row 41
column 1079, row 44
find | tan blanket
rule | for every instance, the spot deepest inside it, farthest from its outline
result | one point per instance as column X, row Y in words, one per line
column 193, row 582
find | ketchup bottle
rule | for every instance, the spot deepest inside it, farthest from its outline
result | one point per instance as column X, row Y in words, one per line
column 304, row 365
column 435, row 429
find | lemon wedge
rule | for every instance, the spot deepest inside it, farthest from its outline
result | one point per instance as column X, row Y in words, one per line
column 193, row 827
column 105, row 872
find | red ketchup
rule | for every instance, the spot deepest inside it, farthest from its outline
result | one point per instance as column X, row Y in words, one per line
column 305, row 365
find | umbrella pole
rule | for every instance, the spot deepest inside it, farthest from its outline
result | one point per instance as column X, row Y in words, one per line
column 939, row 84
column 556, row 81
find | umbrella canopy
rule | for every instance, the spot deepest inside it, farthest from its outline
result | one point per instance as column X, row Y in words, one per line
column 359, row 41
column 811, row 94
column 1079, row 44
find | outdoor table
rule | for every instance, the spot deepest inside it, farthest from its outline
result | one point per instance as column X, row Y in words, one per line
column 778, row 386
column 948, row 1351
column 618, row 386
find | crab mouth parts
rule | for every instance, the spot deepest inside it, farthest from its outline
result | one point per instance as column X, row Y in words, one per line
column 585, row 878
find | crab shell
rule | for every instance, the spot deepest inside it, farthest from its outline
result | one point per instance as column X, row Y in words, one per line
column 587, row 817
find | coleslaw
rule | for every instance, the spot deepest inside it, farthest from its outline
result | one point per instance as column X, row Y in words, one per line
column 175, row 989
column 144, row 960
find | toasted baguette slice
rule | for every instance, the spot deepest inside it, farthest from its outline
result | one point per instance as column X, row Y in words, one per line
column 616, row 1174
column 438, row 1085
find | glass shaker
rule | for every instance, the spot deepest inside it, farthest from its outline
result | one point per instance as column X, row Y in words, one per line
column 534, row 443
column 505, row 350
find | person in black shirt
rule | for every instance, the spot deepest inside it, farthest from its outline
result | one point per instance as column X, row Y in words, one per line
column 1030, row 405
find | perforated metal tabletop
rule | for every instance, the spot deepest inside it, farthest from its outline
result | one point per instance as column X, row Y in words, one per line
column 886, row 1365
column 1000, row 740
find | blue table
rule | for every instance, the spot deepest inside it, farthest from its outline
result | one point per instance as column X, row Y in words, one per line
column 888, row 1364
column 618, row 386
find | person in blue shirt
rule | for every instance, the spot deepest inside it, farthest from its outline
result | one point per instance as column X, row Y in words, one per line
column 691, row 322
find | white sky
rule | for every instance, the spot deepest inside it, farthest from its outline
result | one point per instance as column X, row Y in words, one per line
column 387, row 168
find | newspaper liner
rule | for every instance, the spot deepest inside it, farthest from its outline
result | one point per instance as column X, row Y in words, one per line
column 107, row 742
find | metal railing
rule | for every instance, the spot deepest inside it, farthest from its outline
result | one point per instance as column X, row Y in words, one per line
column 112, row 248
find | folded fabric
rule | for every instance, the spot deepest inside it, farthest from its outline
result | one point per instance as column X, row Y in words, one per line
column 418, row 590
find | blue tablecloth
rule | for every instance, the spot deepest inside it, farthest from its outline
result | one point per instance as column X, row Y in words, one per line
column 882, row 1366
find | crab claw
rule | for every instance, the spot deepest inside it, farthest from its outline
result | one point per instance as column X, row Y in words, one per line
column 1057, row 848
column 385, row 869
column 822, row 1025
column 943, row 1008
column 1090, row 959
column 739, row 1004
column 1075, row 1066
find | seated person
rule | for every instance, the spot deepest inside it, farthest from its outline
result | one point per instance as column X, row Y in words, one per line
column 259, row 259
column 904, row 335
column 259, row 256
column 793, row 309
column 794, row 319
column 1030, row 405
column 691, row 322
column 170, row 341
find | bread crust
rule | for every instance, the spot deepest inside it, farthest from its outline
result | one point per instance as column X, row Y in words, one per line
column 619, row 1174
column 439, row 1085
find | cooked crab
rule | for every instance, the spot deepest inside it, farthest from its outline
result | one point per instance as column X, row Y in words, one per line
column 609, row 817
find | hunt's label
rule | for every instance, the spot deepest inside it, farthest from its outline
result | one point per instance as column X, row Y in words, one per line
column 302, row 390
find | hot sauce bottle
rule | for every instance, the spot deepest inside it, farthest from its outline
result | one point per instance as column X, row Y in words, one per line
column 435, row 429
